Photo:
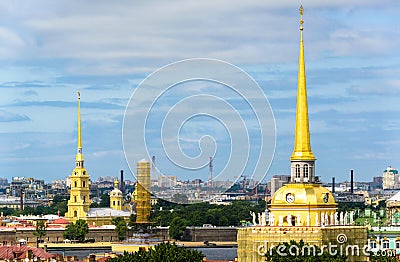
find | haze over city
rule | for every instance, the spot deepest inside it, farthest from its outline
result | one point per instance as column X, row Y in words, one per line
column 51, row 50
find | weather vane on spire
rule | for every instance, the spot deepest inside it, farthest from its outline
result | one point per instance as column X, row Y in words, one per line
column 301, row 17
column 79, row 95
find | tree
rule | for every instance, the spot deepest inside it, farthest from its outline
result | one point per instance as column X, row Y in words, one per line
column 293, row 252
column 176, row 228
column 120, row 227
column 163, row 252
column 76, row 231
column 105, row 200
column 40, row 231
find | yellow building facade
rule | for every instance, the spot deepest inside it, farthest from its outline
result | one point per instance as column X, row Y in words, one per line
column 302, row 209
column 116, row 198
column 79, row 202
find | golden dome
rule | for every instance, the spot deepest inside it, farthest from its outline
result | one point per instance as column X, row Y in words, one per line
column 302, row 194
column 116, row 192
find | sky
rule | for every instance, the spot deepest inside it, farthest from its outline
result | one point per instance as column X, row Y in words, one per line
column 51, row 49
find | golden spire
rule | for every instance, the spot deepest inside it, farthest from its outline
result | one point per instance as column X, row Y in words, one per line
column 79, row 121
column 302, row 146
column 79, row 155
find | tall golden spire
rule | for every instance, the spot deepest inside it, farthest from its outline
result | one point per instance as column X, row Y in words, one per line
column 302, row 146
column 79, row 155
column 79, row 121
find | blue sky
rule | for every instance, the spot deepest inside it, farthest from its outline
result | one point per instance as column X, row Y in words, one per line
column 51, row 49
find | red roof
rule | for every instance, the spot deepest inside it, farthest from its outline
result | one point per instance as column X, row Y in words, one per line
column 103, row 259
column 60, row 221
column 20, row 252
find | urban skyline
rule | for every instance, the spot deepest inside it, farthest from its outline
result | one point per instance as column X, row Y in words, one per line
column 106, row 50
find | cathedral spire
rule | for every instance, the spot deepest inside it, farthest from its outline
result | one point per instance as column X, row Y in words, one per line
column 302, row 146
column 79, row 121
column 79, row 155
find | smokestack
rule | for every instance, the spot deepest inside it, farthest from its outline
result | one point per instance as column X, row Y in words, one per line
column 21, row 200
column 352, row 181
column 333, row 185
column 121, row 186
column 153, row 164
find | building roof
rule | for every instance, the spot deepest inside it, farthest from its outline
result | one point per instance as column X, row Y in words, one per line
column 20, row 252
column 303, row 194
column 394, row 198
column 391, row 170
column 60, row 221
column 105, row 212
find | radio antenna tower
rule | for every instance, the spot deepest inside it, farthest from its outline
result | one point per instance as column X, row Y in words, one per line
column 210, row 173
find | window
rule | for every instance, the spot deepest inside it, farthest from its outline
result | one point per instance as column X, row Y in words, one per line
column 75, row 213
column 75, row 199
column 84, row 184
column 84, row 199
column 305, row 170
column 118, row 202
column 397, row 244
column 385, row 244
column 113, row 203
column 372, row 244
column 297, row 170
column 75, row 183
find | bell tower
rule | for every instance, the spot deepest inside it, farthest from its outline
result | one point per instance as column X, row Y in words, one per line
column 302, row 161
column 79, row 202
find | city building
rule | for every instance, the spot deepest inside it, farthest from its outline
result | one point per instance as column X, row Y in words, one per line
column 393, row 210
column 166, row 181
column 390, row 178
column 302, row 209
column 276, row 182
column 79, row 202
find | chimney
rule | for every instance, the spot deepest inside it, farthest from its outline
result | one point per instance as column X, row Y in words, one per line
column 121, row 186
column 352, row 181
column 333, row 185
column 21, row 199
column 92, row 258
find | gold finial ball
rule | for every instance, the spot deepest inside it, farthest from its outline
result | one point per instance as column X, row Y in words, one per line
column 301, row 17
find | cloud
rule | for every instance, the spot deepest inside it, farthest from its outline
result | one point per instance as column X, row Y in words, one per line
column 12, row 117
column 64, row 104
column 24, row 84
column 30, row 93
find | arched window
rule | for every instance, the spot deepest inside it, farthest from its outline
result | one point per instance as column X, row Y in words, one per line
column 84, row 199
column 297, row 170
column 118, row 202
column 305, row 170
column 113, row 203
column 397, row 244
column 83, row 183
column 75, row 199
column 385, row 244
column 75, row 183
column 75, row 213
